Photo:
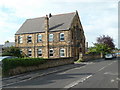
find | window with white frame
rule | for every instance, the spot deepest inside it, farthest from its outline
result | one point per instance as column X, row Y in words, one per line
column 19, row 39
column 50, row 37
column 39, row 52
column 20, row 51
column 29, row 39
column 29, row 52
column 61, row 36
column 51, row 52
column 39, row 38
column 62, row 52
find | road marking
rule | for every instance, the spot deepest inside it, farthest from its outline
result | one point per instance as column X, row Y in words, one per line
column 111, row 73
column 14, row 83
column 105, row 66
column 101, row 69
column 80, row 67
column 118, row 79
column 87, row 63
column 112, row 80
column 78, row 81
column 110, row 63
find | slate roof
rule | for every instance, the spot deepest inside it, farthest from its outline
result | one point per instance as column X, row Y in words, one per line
column 56, row 22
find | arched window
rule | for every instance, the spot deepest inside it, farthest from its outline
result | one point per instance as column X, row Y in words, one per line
column 29, row 52
column 62, row 52
column 39, row 38
column 20, row 39
column 51, row 52
column 61, row 36
column 29, row 39
column 50, row 37
column 39, row 52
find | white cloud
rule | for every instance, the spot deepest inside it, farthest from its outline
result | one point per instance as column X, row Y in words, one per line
column 74, row 1
column 24, row 8
column 98, row 17
column 104, row 24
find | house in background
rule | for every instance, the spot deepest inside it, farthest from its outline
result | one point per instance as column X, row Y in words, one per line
column 1, row 47
column 8, row 44
column 52, row 36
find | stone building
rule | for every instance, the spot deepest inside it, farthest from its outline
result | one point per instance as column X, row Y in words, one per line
column 1, row 47
column 52, row 36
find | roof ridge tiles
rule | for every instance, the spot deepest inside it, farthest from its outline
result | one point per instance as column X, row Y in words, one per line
column 63, row 14
column 52, row 15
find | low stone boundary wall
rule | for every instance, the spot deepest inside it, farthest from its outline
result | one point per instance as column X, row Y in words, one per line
column 88, row 57
column 48, row 64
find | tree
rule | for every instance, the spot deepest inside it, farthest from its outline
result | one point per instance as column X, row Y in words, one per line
column 100, row 48
column 92, row 49
column 11, row 51
column 103, row 46
column 107, row 40
column 7, row 41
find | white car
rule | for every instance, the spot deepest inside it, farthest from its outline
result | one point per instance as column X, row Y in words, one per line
column 108, row 56
column 3, row 57
column 114, row 55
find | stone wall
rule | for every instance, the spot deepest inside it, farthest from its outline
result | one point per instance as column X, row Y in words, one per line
column 50, row 63
column 87, row 57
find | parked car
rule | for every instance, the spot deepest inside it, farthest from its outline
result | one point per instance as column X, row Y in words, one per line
column 109, row 56
column 3, row 57
column 114, row 55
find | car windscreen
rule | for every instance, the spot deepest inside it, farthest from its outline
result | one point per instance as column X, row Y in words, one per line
column 1, row 58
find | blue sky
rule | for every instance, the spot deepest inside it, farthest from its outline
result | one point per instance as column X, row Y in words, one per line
column 98, row 17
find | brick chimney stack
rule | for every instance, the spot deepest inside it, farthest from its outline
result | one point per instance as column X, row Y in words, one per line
column 46, row 23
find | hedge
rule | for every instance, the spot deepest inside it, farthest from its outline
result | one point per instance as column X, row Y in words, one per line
column 8, row 64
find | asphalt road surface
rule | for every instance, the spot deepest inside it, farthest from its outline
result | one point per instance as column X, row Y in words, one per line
column 95, row 74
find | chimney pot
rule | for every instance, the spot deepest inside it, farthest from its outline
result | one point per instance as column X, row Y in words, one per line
column 50, row 15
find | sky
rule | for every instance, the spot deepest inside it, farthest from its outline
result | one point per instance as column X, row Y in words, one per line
column 98, row 17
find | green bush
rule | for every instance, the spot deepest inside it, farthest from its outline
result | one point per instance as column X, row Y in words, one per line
column 11, row 51
column 8, row 64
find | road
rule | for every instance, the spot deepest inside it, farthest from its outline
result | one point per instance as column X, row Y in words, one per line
column 95, row 74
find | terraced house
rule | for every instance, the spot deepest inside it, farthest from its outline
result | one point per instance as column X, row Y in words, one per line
column 52, row 36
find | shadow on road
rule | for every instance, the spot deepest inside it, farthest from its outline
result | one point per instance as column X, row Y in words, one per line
column 51, row 79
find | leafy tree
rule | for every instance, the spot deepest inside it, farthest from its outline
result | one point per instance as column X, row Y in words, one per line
column 11, row 51
column 7, row 41
column 107, row 40
column 104, row 45
column 92, row 49
column 100, row 48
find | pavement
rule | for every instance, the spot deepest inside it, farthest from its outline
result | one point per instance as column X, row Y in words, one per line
column 38, row 73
